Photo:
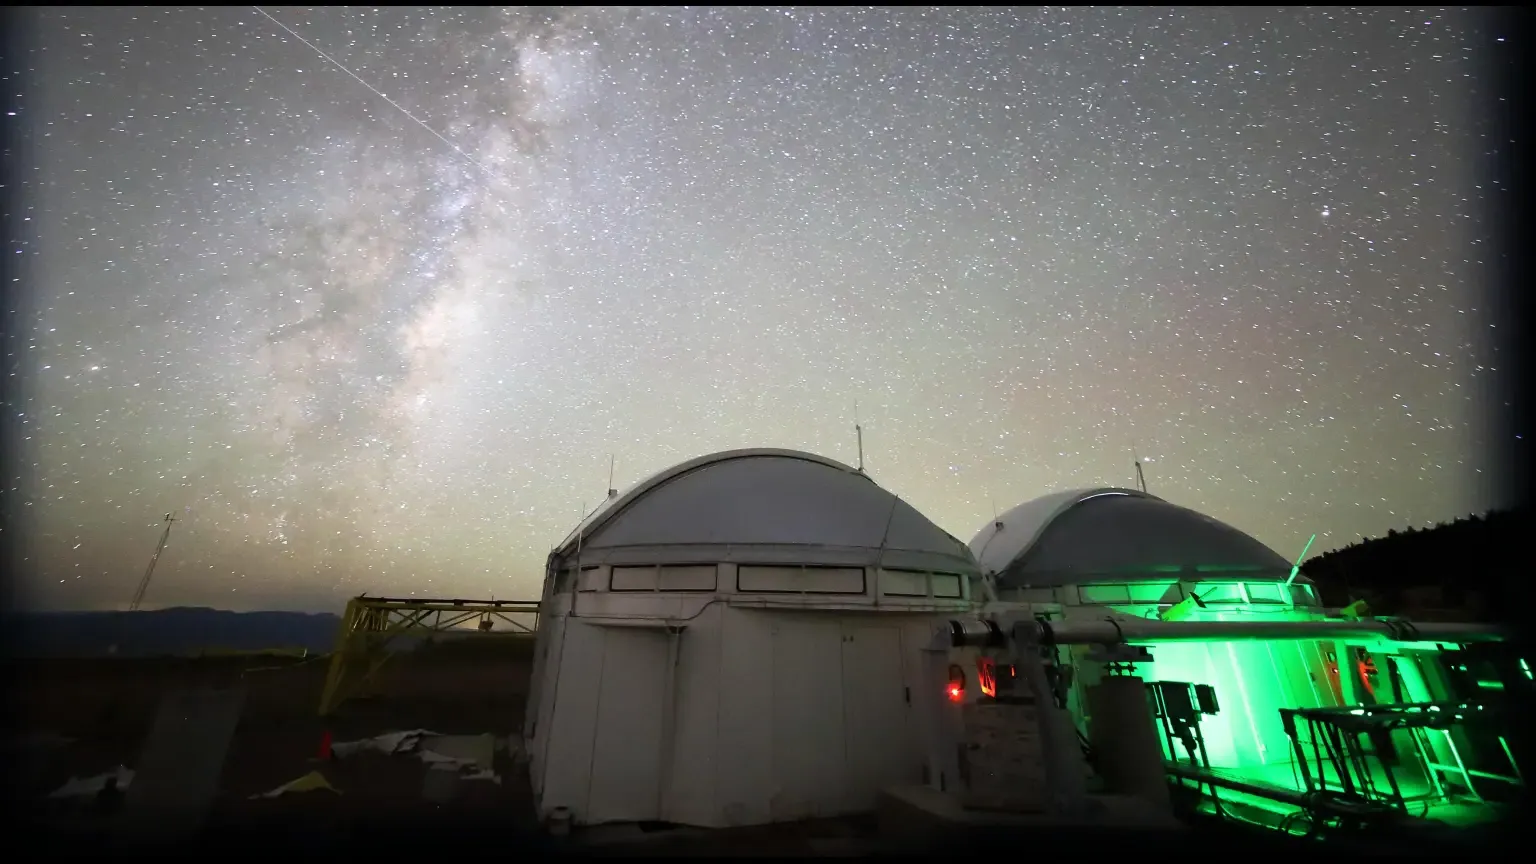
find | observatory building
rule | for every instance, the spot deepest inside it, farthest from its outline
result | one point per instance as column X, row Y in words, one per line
column 734, row 641
column 1098, row 552
column 1132, row 551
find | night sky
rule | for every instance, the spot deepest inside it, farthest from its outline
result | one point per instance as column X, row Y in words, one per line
column 363, row 346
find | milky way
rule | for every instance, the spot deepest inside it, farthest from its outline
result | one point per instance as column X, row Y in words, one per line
column 354, row 356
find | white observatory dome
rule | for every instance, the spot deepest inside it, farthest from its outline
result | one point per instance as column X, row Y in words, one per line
column 763, row 506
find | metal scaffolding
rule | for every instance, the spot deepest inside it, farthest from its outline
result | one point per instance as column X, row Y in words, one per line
column 371, row 624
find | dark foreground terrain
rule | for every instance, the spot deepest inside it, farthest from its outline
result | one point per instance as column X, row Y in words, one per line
column 82, row 718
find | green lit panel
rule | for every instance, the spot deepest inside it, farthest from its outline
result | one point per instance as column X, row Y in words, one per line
column 1264, row 592
column 1104, row 594
column 1302, row 595
column 1221, row 592
column 1152, row 592
column 1253, row 681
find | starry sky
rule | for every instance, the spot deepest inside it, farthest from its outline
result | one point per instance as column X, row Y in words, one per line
column 382, row 329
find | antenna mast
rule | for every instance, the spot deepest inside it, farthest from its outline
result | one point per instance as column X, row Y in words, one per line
column 138, row 595
column 612, row 492
column 859, row 432
column 1141, row 479
column 1295, row 569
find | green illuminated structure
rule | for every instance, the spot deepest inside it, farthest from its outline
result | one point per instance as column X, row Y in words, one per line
column 1087, row 555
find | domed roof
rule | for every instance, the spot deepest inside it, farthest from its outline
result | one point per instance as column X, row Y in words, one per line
column 764, row 506
column 1116, row 534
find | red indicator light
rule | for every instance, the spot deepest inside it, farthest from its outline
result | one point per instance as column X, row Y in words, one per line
column 986, row 676
column 956, row 687
column 1367, row 669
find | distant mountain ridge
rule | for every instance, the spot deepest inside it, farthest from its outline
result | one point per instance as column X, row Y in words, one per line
column 165, row 632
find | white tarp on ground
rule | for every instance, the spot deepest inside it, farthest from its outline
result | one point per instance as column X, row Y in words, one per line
column 472, row 755
column 86, row 787
column 389, row 743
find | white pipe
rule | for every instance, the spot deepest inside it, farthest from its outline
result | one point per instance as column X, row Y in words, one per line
column 1112, row 631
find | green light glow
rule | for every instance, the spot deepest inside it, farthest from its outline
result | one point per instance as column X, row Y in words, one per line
column 1253, row 680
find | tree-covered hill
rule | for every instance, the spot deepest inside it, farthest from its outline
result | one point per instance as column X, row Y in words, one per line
column 1465, row 568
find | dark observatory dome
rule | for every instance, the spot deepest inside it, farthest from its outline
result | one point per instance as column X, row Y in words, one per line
column 1121, row 535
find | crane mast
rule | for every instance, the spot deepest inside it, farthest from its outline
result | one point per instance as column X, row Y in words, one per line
column 138, row 595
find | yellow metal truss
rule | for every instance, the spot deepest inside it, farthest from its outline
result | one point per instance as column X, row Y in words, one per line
column 372, row 623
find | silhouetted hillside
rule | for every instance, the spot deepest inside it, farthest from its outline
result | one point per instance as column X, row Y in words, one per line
column 1464, row 567
column 165, row 632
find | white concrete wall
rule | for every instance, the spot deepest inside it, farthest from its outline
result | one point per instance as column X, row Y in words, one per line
column 766, row 716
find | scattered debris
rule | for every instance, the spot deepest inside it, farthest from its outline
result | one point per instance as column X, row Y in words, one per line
column 476, row 750
column 471, row 755
column 89, row 787
column 311, row 782
column 390, row 743
column 438, row 760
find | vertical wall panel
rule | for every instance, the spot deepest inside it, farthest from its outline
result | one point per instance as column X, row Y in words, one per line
column 568, row 731
column 744, row 771
column 808, row 746
column 875, row 714
column 536, row 712
column 689, row 793
column 627, row 749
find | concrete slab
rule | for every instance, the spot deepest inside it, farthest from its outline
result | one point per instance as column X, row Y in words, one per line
column 179, row 769
column 920, row 817
column 441, row 784
column 476, row 750
column 922, row 814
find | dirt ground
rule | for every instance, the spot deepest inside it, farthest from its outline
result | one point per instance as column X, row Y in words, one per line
column 105, row 708
column 98, row 713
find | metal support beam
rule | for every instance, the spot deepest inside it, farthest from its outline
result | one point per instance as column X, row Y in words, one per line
column 1065, row 773
column 370, row 624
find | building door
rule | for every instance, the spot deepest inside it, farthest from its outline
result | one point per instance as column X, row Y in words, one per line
column 877, row 734
column 808, row 757
column 627, row 750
